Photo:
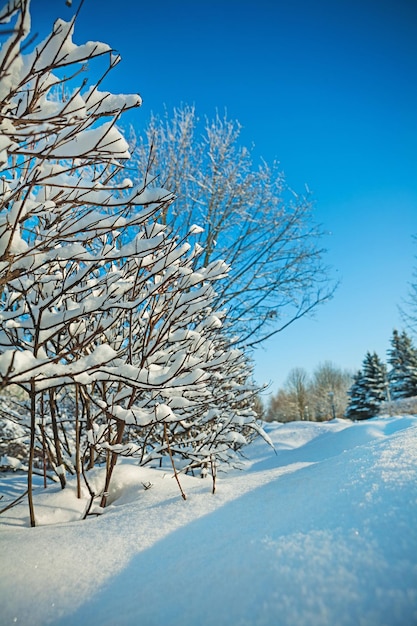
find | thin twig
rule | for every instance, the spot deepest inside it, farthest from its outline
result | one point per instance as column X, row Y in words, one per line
column 184, row 497
column 12, row 504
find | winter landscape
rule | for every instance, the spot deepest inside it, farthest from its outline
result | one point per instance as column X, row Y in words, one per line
column 322, row 532
column 142, row 479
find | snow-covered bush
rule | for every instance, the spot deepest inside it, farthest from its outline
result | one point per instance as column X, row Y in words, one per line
column 403, row 406
column 14, row 437
column 106, row 323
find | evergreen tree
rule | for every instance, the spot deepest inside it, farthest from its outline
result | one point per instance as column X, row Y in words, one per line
column 368, row 390
column 357, row 397
column 403, row 360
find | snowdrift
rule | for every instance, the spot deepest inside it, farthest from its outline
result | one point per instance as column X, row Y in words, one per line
column 321, row 532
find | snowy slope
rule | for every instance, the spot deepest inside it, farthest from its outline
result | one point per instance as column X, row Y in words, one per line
column 322, row 533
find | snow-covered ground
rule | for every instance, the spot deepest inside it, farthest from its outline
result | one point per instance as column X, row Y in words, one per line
column 322, row 533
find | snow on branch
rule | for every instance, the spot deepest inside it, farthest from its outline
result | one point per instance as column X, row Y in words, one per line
column 105, row 315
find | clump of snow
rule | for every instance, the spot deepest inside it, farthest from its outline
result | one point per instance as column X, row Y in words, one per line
column 320, row 532
column 9, row 463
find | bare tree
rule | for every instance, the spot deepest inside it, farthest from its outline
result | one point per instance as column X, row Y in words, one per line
column 409, row 310
column 108, row 323
column 281, row 407
column 321, row 396
column 329, row 391
column 292, row 401
column 250, row 217
column 297, row 383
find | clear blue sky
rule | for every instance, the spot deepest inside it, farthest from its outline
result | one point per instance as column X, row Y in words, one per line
column 327, row 87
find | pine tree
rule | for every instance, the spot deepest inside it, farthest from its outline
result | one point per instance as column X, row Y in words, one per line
column 403, row 360
column 356, row 394
column 368, row 390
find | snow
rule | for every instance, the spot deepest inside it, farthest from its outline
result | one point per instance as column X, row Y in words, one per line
column 108, row 103
column 105, row 139
column 24, row 364
column 60, row 50
column 321, row 532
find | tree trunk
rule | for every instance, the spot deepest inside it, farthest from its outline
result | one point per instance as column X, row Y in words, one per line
column 59, row 459
column 32, row 452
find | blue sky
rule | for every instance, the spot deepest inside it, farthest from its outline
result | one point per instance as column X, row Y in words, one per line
column 329, row 88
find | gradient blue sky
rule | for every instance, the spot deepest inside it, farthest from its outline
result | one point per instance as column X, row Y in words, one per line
column 327, row 87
